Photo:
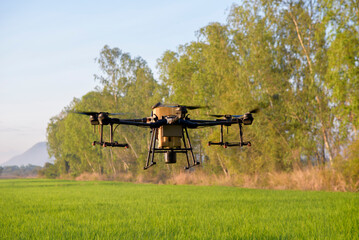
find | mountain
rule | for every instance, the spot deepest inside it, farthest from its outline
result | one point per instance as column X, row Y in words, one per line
column 36, row 155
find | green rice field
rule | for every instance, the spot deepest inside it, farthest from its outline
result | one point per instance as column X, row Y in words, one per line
column 61, row 209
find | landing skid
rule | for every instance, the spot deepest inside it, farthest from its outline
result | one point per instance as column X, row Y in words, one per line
column 187, row 150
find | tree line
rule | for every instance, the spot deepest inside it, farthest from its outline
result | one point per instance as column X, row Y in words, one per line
column 19, row 172
column 296, row 60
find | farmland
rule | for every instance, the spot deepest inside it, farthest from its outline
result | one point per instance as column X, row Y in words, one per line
column 62, row 209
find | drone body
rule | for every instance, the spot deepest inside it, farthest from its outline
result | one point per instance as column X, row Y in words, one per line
column 169, row 126
column 169, row 136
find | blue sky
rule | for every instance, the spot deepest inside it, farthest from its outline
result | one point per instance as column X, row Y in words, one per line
column 47, row 52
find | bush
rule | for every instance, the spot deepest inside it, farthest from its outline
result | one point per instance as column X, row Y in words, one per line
column 348, row 163
column 49, row 171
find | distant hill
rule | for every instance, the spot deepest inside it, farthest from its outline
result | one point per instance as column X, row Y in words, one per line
column 36, row 155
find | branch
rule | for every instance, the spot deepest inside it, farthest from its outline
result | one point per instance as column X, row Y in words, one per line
column 225, row 170
column 89, row 163
column 301, row 42
column 133, row 150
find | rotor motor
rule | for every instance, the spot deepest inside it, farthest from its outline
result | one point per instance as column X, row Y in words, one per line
column 247, row 119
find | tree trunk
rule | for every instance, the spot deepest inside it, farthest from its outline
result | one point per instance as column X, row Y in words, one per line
column 225, row 170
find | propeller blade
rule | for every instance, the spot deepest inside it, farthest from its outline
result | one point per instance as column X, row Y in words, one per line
column 216, row 115
column 159, row 104
column 95, row 113
column 85, row 113
column 156, row 105
column 194, row 107
column 256, row 110
column 117, row 114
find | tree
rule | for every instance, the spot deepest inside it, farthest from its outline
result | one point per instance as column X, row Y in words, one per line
column 296, row 60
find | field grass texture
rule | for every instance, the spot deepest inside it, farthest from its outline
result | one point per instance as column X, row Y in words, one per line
column 62, row 209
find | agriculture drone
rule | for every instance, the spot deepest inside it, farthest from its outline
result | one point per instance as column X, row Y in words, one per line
column 169, row 126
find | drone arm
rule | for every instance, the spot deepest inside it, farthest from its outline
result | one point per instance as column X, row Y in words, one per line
column 141, row 120
column 209, row 123
column 203, row 123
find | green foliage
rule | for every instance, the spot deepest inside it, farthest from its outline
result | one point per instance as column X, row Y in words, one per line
column 54, row 209
column 49, row 171
column 348, row 163
column 127, row 86
column 297, row 61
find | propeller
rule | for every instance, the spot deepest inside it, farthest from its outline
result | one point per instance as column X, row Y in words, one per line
column 114, row 114
column 193, row 107
column 97, row 118
column 85, row 113
column 255, row 110
column 96, row 113
column 159, row 104
column 222, row 115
